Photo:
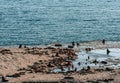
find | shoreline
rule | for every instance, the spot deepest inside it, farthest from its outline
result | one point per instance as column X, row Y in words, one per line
column 52, row 43
column 24, row 63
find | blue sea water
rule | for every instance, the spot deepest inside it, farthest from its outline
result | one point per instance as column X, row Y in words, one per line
column 46, row 21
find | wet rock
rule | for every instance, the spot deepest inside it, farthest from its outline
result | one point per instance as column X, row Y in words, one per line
column 79, row 63
column 78, row 44
column 103, row 62
column 95, row 61
column 70, row 46
column 50, row 47
column 88, row 49
column 88, row 68
column 73, row 43
column 20, row 46
column 3, row 79
column 58, row 45
column 109, row 69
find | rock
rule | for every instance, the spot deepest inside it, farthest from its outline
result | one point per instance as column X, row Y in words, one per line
column 92, row 81
column 92, row 70
column 58, row 45
column 95, row 61
column 105, row 80
column 78, row 44
column 49, row 47
column 100, row 70
column 109, row 69
column 103, row 62
column 51, row 65
column 20, row 46
column 79, row 63
column 3, row 79
column 88, row 49
column 16, row 75
column 21, row 69
column 22, row 73
column 6, row 51
column 38, row 67
column 68, row 80
column 69, row 46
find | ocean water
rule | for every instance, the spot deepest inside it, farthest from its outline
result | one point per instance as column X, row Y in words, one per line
column 34, row 22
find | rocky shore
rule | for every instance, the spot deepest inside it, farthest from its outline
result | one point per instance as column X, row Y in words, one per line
column 37, row 64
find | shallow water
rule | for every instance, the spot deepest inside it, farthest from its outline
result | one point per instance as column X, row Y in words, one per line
column 47, row 21
column 99, row 55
